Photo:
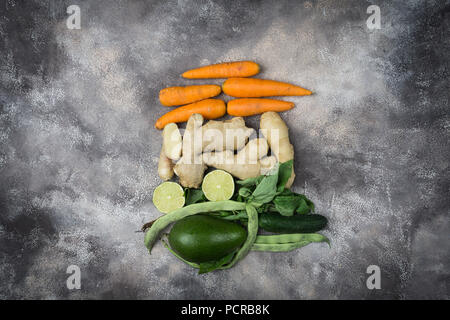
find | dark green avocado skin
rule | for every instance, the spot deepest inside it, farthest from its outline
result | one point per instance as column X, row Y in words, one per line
column 202, row 238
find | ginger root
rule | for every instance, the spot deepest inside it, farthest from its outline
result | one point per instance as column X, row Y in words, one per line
column 190, row 168
column 247, row 163
column 165, row 167
column 171, row 150
column 276, row 132
column 172, row 141
column 218, row 140
column 225, row 135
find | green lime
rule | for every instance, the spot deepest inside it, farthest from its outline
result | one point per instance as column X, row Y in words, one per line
column 168, row 196
column 218, row 185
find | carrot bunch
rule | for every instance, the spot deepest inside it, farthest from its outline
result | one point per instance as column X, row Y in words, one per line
column 197, row 98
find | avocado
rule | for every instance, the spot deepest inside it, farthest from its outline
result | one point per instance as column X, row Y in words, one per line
column 202, row 238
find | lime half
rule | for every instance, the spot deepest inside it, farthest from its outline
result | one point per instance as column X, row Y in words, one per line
column 218, row 185
column 168, row 196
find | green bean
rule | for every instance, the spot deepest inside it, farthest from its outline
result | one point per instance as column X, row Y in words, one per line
column 252, row 230
column 278, row 247
column 196, row 208
column 221, row 214
column 286, row 242
column 238, row 216
column 290, row 237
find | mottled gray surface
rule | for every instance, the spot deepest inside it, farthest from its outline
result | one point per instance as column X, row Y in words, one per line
column 78, row 149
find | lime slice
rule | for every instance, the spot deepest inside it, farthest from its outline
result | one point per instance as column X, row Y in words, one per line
column 218, row 185
column 168, row 196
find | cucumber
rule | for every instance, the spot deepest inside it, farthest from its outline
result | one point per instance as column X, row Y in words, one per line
column 300, row 223
column 202, row 238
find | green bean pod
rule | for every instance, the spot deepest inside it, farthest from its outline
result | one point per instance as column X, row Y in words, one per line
column 252, row 230
column 290, row 238
column 161, row 223
column 286, row 242
column 278, row 247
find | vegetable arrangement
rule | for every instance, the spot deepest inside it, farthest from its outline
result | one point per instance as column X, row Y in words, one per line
column 218, row 225
column 206, row 234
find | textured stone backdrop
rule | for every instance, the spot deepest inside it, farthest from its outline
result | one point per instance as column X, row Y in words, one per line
column 78, row 148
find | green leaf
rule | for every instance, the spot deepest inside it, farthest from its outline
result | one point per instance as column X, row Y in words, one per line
column 250, row 182
column 284, row 173
column 286, row 205
column 288, row 202
column 310, row 204
column 286, row 192
column 266, row 207
column 213, row 265
column 303, row 208
column 266, row 190
column 245, row 192
column 194, row 196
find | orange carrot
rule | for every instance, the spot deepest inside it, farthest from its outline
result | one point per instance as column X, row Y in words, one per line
column 176, row 96
column 250, row 107
column 253, row 88
column 224, row 70
column 209, row 109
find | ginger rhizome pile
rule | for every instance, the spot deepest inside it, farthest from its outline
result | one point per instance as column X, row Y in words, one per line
column 225, row 145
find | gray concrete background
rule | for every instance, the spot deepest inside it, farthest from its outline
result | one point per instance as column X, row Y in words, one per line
column 78, row 149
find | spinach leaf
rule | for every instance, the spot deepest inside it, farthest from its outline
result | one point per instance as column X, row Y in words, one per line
column 213, row 265
column 266, row 190
column 266, row 207
column 250, row 182
column 245, row 192
column 286, row 192
column 303, row 208
column 287, row 205
column 310, row 204
column 260, row 185
column 284, row 173
column 194, row 196
column 288, row 202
